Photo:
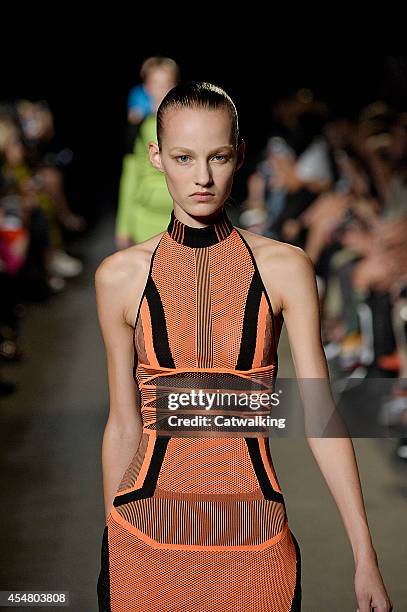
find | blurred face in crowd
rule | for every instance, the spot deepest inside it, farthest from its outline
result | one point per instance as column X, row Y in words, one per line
column 158, row 83
column 338, row 132
column 198, row 154
column 14, row 152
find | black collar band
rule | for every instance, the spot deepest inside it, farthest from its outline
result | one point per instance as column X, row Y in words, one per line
column 219, row 229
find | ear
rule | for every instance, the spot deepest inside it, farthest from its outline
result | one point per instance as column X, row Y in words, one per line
column 155, row 156
column 240, row 154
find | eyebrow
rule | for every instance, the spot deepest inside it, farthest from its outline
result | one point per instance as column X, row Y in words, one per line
column 228, row 146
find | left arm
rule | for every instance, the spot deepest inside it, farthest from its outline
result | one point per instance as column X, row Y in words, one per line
column 335, row 457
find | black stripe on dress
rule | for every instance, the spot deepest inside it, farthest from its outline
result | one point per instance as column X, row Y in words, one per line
column 159, row 326
column 258, row 465
column 150, row 481
column 249, row 332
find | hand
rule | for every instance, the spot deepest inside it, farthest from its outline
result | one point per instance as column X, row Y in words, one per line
column 330, row 204
column 285, row 174
column 390, row 232
column 358, row 240
column 370, row 590
column 291, row 228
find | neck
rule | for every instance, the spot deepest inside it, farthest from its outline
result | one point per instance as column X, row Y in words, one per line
column 195, row 221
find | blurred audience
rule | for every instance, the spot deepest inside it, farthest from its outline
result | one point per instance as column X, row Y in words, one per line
column 35, row 218
column 337, row 187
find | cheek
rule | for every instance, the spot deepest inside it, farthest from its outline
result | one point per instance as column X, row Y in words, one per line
column 177, row 177
column 223, row 175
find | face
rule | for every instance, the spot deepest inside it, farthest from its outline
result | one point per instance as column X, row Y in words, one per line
column 197, row 155
column 158, row 83
column 15, row 152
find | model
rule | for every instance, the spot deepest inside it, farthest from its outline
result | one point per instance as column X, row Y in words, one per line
column 195, row 517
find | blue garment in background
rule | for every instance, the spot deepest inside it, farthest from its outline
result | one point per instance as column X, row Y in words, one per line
column 139, row 99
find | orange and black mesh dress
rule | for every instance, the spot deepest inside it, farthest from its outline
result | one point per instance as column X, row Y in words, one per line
column 199, row 521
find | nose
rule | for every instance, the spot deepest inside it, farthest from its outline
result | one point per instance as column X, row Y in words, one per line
column 203, row 176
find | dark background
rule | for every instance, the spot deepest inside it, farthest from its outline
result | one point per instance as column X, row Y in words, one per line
column 348, row 55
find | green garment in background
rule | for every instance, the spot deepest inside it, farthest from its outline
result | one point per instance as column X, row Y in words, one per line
column 145, row 204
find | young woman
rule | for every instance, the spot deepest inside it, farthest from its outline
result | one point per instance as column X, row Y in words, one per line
column 195, row 519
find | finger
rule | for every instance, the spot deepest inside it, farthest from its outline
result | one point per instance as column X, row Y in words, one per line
column 384, row 605
column 364, row 603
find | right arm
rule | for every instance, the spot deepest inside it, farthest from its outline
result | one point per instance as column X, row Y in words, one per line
column 124, row 425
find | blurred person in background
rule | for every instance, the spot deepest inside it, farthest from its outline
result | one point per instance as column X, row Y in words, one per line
column 34, row 212
column 144, row 203
column 43, row 272
column 37, row 124
column 13, row 244
column 38, row 135
column 380, row 270
column 27, row 156
column 295, row 168
column 353, row 228
column 363, row 220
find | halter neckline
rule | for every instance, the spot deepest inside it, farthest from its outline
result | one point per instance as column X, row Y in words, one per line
column 219, row 229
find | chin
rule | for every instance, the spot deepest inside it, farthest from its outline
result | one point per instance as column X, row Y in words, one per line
column 203, row 209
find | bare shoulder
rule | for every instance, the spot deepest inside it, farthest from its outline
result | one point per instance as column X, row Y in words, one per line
column 280, row 255
column 282, row 266
column 122, row 265
column 122, row 275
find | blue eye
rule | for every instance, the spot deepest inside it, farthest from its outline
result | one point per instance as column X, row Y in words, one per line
column 220, row 155
column 179, row 156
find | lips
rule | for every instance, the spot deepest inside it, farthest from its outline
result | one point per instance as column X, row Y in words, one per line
column 204, row 196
